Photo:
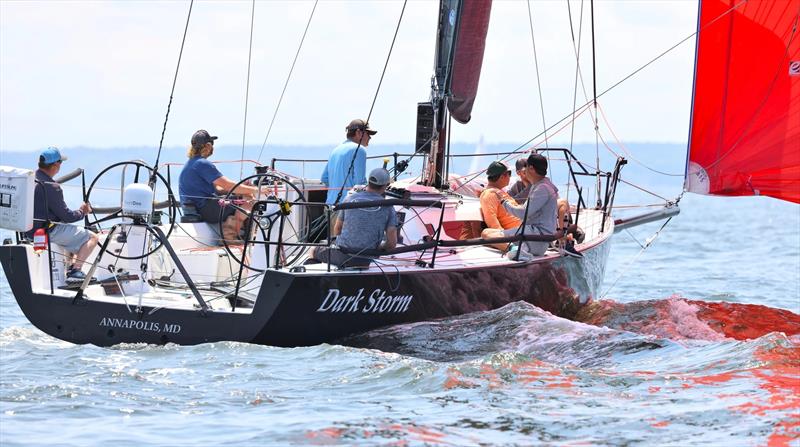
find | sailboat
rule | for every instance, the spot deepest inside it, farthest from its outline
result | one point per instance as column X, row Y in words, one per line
column 181, row 282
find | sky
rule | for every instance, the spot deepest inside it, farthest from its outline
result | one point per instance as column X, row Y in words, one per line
column 99, row 73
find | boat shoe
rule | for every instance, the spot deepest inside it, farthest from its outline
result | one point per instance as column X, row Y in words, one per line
column 76, row 275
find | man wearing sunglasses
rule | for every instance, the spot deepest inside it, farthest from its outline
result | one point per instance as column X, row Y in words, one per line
column 51, row 212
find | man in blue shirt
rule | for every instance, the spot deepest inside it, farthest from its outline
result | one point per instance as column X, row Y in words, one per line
column 51, row 212
column 201, row 184
column 343, row 171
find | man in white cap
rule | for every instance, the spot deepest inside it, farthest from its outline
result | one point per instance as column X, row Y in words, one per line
column 51, row 212
column 363, row 228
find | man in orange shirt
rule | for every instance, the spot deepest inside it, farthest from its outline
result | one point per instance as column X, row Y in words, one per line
column 494, row 215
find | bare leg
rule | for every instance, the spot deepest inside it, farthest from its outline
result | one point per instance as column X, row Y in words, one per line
column 563, row 209
column 85, row 251
column 494, row 232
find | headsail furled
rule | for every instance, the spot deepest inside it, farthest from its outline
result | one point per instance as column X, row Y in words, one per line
column 745, row 127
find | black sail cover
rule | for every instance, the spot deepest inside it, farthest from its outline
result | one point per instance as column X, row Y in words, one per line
column 468, row 21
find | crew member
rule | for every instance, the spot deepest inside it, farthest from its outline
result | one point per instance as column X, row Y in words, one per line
column 51, row 212
column 348, row 161
column 542, row 206
column 494, row 215
column 519, row 190
column 363, row 228
column 201, row 184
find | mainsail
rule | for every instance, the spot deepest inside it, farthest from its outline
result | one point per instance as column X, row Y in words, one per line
column 745, row 126
column 470, row 41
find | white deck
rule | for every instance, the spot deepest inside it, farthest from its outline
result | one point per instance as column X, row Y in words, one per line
column 161, row 284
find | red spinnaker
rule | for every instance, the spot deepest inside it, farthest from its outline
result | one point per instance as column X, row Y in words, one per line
column 745, row 129
column 466, row 71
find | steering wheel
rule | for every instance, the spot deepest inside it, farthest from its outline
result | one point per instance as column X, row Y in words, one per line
column 270, row 209
column 115, row 212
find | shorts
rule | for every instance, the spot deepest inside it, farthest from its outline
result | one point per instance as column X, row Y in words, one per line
column 534, row 248
column 210, row 212
column 71, row 237
column 339, row 258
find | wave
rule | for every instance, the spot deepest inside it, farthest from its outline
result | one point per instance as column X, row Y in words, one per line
column 678, row 318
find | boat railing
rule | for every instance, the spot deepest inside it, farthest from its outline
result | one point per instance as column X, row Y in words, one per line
column 575, row 168
column 432, row 242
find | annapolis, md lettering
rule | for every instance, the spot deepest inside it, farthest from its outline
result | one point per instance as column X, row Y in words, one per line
column 377, row 301
column 150, row 326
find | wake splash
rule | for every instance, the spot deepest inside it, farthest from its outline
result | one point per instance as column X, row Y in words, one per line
column 678, row 319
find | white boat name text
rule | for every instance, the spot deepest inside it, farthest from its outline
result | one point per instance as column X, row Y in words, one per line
column 377, row 302
column 150, row 326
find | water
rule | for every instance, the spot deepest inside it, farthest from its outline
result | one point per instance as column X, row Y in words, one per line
column 650, row 369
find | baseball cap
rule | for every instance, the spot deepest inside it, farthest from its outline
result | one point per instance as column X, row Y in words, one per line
column 202, row 137
column 51, row 155
column 539, row 163
column 496, row 168
column 379, row 177
column 359, row 124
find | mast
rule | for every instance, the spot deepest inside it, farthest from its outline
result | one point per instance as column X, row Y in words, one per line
column 460, row 43
column 449, row 19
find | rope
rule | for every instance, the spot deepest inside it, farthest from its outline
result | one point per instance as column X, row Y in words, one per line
column 171, row 94
column 286, row 84
column 577, row 50
column 538, row 80
column 247, row 88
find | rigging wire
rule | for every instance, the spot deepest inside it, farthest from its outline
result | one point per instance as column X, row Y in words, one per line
column 615, row 85
column 648, row 242
column 594, row 101
column 247, row 88
column 286, row 84
column 374, row 99
column 538, row 78
column 577, row 50
column 171, row 94
column 628, row 154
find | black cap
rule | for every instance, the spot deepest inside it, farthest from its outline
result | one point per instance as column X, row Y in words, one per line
column 359, row 124
column 539, row 163
column 201, row 137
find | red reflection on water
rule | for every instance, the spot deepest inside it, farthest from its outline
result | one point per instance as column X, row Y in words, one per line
column 681, row 319
column 330, row 435
column 490, row 374
column 747, row 321
column 424, row 434
column 780, row 378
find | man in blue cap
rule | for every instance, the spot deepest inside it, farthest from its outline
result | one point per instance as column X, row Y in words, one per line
column 51, row 212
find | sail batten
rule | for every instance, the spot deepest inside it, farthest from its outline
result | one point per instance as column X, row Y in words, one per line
column 745, row 129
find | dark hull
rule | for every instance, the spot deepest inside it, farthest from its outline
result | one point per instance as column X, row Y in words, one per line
column 306, row 309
